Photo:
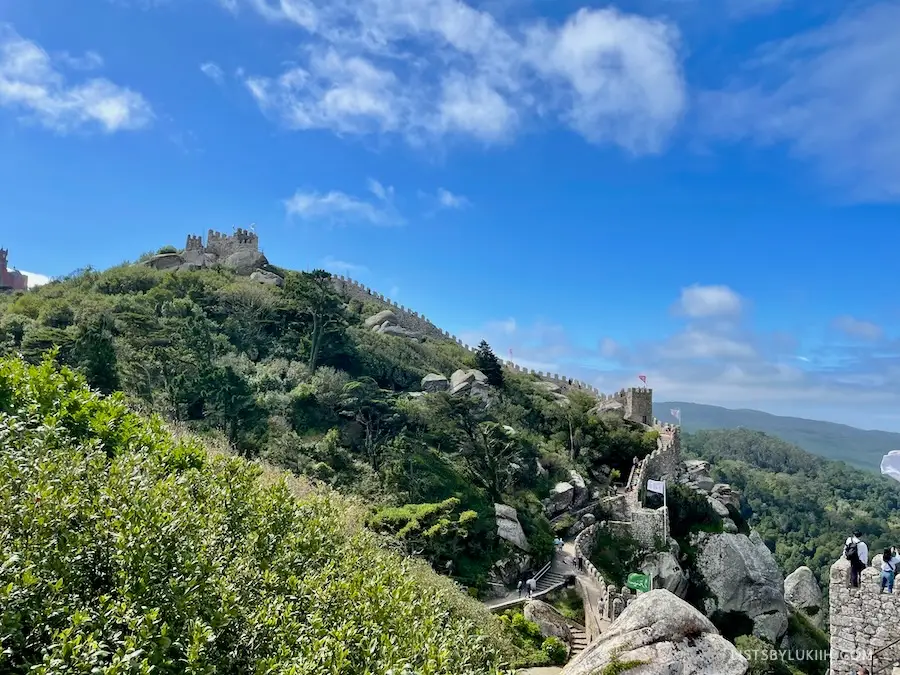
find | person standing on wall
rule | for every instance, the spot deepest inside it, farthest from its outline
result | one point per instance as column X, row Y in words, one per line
column 889, row 561
column 856, row 551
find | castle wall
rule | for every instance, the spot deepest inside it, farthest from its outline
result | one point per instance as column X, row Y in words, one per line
column 223, row 245
column 862, row 621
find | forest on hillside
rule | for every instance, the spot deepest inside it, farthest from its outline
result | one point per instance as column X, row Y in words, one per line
column 802, row 505
column 292, row 376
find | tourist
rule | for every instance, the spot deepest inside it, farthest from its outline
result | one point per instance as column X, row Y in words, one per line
column 889, row 560
column 532, row 585
column 519, row 588
column 856, row 551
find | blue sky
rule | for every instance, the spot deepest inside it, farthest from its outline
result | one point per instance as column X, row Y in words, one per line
column 701, row 191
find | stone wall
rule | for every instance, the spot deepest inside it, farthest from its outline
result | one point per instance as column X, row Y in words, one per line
column 862, row 621
column 11, row 279
column 607, row 601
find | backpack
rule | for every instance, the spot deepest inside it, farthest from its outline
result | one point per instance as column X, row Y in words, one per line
column 851, row 552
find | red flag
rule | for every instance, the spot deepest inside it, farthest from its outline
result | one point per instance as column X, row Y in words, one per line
column 643, row 378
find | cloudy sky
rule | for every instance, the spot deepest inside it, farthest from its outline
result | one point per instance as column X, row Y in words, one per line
column 701, row 191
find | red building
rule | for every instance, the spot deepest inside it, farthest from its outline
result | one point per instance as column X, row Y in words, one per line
column 11, row 279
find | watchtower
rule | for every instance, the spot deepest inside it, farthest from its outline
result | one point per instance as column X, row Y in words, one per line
column 639, row 405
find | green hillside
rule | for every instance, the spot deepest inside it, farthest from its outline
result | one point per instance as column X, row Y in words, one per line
column 125, row 550
column 858, row 447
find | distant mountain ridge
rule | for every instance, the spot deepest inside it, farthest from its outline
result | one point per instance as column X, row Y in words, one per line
column 858, row 447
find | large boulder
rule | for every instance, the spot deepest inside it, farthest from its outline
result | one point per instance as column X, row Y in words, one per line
column 391, row 329
column 667, row 636
column 508, row 570
column 509, row 528
column 580, row 495
column 667, row 573
column 551, row 622
column 433, row 383
column 743, row 577
column 802, row 592
column 166, row 261
column 264, row 277
column 560, row 498
column 385, row 316
column 717, row 506
column 245, row 262
column 461, row 380
column 199, row 258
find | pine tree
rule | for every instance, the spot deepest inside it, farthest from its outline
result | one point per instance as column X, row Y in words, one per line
column 489, row 364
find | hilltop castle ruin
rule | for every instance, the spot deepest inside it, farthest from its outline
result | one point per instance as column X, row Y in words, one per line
column 223, row 245
column 10, row 279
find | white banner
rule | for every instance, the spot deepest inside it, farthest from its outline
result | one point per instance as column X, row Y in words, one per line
column 890, row 464
column 659, row 486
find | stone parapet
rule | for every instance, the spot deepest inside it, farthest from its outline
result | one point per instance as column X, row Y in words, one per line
column 862, row 621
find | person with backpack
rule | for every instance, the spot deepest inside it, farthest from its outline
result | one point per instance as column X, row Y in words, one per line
column 889, row 561
column 856, row 551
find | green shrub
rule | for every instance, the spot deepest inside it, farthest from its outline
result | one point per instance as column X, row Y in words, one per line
column 126, row 551
column 556, row 650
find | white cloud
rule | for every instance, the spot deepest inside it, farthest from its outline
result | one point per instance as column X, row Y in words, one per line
column 831, row 96
column 856, row 328
column 426, row 70
column 35, row 279
column 339, row 208
column 385, row 194
column 30, row 83
column 708, row 301
column 88, row 61
column 213, row 72
column 335, row 265
column 448, row 200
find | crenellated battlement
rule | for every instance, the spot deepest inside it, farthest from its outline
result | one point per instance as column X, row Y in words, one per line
column 223, row 245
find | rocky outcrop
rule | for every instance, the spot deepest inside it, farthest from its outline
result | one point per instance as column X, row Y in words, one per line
column 386, row 323
column 434, row 382
column 464, row 380
column 696, row 474
column 551, row 622
column 507, row 571
column 667, row 573
column 580, row 494
column 166, row 261
column 509, row 528
column 561, row 497
column 667, row 636
column 245, row 262
column 269, row 278
column 802, row 593
column 743, row 577
column 383, row 317
column 726, row 495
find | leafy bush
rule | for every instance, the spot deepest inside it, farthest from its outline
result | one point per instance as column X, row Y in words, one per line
column 556, row 650
column 126, row 551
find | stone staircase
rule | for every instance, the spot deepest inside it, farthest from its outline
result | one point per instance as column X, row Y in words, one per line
column 550, row 580
column 579, row 640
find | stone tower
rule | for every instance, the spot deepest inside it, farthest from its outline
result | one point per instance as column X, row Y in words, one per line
column 639, row 405
column 14, row 279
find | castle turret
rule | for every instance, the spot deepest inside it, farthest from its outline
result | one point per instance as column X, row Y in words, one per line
column 10, row 279
column 639, row 405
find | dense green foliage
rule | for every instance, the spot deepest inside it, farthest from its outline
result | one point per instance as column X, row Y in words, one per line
column 126, row 551
column 858, row 447
column 804, row 507
column 293, row 376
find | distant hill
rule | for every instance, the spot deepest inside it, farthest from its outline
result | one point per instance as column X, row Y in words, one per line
column 857, row 447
